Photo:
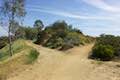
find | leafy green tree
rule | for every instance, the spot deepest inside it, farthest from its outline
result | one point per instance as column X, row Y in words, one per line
column 39, row 25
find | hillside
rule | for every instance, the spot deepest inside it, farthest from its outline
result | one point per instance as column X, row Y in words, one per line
column 18, row 62
column 56, row 65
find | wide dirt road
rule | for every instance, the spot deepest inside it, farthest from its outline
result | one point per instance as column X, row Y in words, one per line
column 70, row 65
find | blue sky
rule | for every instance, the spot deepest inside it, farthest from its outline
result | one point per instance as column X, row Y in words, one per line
column 93, row 17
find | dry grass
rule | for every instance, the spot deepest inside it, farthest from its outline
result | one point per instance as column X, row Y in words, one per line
column 55, row 65
column 17, row 47
column 12, row 65
column 8, row 66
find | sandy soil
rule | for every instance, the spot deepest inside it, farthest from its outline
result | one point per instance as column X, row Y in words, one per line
column 70, row 65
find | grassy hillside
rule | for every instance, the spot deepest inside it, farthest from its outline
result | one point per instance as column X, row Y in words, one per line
column 22, row 56
column 17, row 47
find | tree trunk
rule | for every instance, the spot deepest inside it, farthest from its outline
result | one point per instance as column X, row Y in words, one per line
column 11, row 20
column 10, row 40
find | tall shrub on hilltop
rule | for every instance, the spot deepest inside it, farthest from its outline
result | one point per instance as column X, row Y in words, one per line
column 38, row 25
column 60, row 35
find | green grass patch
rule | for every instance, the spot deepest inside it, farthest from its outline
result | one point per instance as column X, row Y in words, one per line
column 32, row 56
column 17, row 47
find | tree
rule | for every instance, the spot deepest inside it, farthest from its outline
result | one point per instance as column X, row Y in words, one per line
column 39, row 25
column 12, row 10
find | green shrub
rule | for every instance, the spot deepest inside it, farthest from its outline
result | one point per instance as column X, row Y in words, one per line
column 32, row 56
column 3, row 41
column 73, row 38
column 41, row 37
column 111, row 40
column 60, row 35
column 54, row 42
column 67, row 46
column 103, row 52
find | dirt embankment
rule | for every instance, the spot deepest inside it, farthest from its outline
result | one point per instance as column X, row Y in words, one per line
column 56, row 65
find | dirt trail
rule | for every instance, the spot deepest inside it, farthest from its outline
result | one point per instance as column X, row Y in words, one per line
column 56, row 65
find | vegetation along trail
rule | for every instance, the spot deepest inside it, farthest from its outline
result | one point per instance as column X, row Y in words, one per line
column 70, row 65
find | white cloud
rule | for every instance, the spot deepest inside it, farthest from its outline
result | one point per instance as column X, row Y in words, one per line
column 68, row 14
column 96, row 31
column 101, row 4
